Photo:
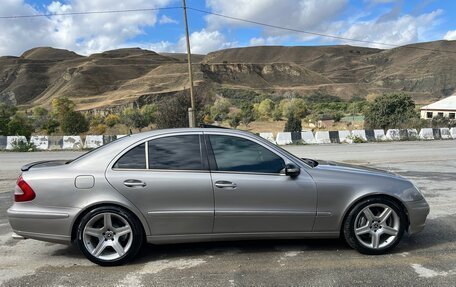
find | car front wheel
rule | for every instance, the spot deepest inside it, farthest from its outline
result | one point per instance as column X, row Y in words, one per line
column 374, row 226
column 109, row 236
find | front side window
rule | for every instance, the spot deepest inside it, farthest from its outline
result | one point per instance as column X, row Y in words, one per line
column 133, row 159
column 242, row 155
column 176, row 153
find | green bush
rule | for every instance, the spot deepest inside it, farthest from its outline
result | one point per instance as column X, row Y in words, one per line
column 23, row 146
column 390, row 111
column 293, row 124
column 74, row 123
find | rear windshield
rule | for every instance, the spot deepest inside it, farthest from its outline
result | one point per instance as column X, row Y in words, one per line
column 97, row 149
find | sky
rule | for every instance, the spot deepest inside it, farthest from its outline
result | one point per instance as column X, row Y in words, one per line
column 394, row 22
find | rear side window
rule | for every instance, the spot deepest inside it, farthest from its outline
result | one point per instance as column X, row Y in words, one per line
column 242, row 155
column 133, row 159
column 176, row 153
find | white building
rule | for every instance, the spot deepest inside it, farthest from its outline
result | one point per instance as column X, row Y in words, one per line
column 445, row 108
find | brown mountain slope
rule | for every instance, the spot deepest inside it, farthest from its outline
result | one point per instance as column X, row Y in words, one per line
column 122, row 76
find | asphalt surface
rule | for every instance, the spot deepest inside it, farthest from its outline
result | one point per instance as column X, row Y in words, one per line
column 425, row 259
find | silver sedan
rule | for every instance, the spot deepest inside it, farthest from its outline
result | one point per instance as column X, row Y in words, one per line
column 188, row 185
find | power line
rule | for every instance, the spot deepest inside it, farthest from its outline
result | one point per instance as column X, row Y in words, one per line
column 313, row 33
column 88, row 12
column 226, row 17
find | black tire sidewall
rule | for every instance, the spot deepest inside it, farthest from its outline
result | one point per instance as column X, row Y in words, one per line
column 349, row 230
column 137, row 233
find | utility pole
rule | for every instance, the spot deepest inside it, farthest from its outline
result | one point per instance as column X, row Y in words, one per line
column 191, row 110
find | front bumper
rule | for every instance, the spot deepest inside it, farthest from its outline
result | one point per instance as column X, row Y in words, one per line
column 42, row 223
column 417, row 213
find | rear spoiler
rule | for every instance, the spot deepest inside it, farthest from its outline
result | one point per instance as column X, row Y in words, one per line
column 43, row 163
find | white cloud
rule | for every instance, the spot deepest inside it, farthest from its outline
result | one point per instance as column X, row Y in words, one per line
column 261, row 41
column 167, row 20
column 84, row 34
column 403, row 30
column 201, row 42
column 18, row 35
column 162, row 46
column 450, row 35
column 298, row 14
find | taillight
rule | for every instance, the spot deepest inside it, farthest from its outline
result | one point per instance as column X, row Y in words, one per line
column 24, row 192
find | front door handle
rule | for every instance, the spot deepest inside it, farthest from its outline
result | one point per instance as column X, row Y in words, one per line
column 225, row 184
column 134, row 183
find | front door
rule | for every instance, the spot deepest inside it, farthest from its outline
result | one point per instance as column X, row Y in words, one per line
column 168, row 179
column 252, row 194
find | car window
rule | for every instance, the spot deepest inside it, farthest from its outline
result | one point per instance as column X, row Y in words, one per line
column 242, row 155
column 175, row 152
column 133, row 159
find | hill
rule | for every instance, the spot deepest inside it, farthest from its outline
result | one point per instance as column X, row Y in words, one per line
column 119, row 77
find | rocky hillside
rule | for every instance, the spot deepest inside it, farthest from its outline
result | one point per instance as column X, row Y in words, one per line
column 123, row 76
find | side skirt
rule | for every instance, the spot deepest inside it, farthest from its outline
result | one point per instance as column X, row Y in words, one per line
column 170, row 239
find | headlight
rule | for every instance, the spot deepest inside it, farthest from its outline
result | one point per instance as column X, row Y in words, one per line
column 413, row 194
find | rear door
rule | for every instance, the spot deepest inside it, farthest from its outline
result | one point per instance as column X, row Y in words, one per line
column 168, row 179
column 252, row 194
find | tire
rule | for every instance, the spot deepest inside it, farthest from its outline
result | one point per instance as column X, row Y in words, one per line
column 374, row 226
column 109, row 236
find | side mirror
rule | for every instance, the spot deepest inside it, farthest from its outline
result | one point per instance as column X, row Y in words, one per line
column 292, row 170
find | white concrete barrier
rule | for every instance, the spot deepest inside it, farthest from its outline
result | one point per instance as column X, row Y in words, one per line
column 445, row 133
column 393, row 135
column 322, row 137
column 426, row 134
column 2, row 142
column 359, row 133
column 121, row 136
column 41, row 142
column 453, row 133
column 92, row 141
column 345, row 136
column 380, row 135
column 268, row 136
column 308, row 137
column 412, row 134
column 10, row 140
column 283, row 138
column 72, row 142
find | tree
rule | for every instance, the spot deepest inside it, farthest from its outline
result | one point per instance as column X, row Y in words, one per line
column 390, row 111
column 149, row 113
column 265, row 108
column 293, row 124
column 111, row 120
column 132, row 117
column 20, row 125
column 220, row 109
column 6, row 112
column 295, row 106
column 50, row 125
column 73, row 123
column 247, row 114
column 235, row 120
column 40, row 117
column 61, row 106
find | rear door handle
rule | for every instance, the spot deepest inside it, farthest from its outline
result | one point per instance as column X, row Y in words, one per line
column 134, row 183
column 225, row 184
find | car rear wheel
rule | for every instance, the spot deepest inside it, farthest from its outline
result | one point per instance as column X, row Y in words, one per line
column 374, row 226
column 109, row 236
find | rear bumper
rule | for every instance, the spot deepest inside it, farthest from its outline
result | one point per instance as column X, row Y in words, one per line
column 417, row 212
column 47, row 224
